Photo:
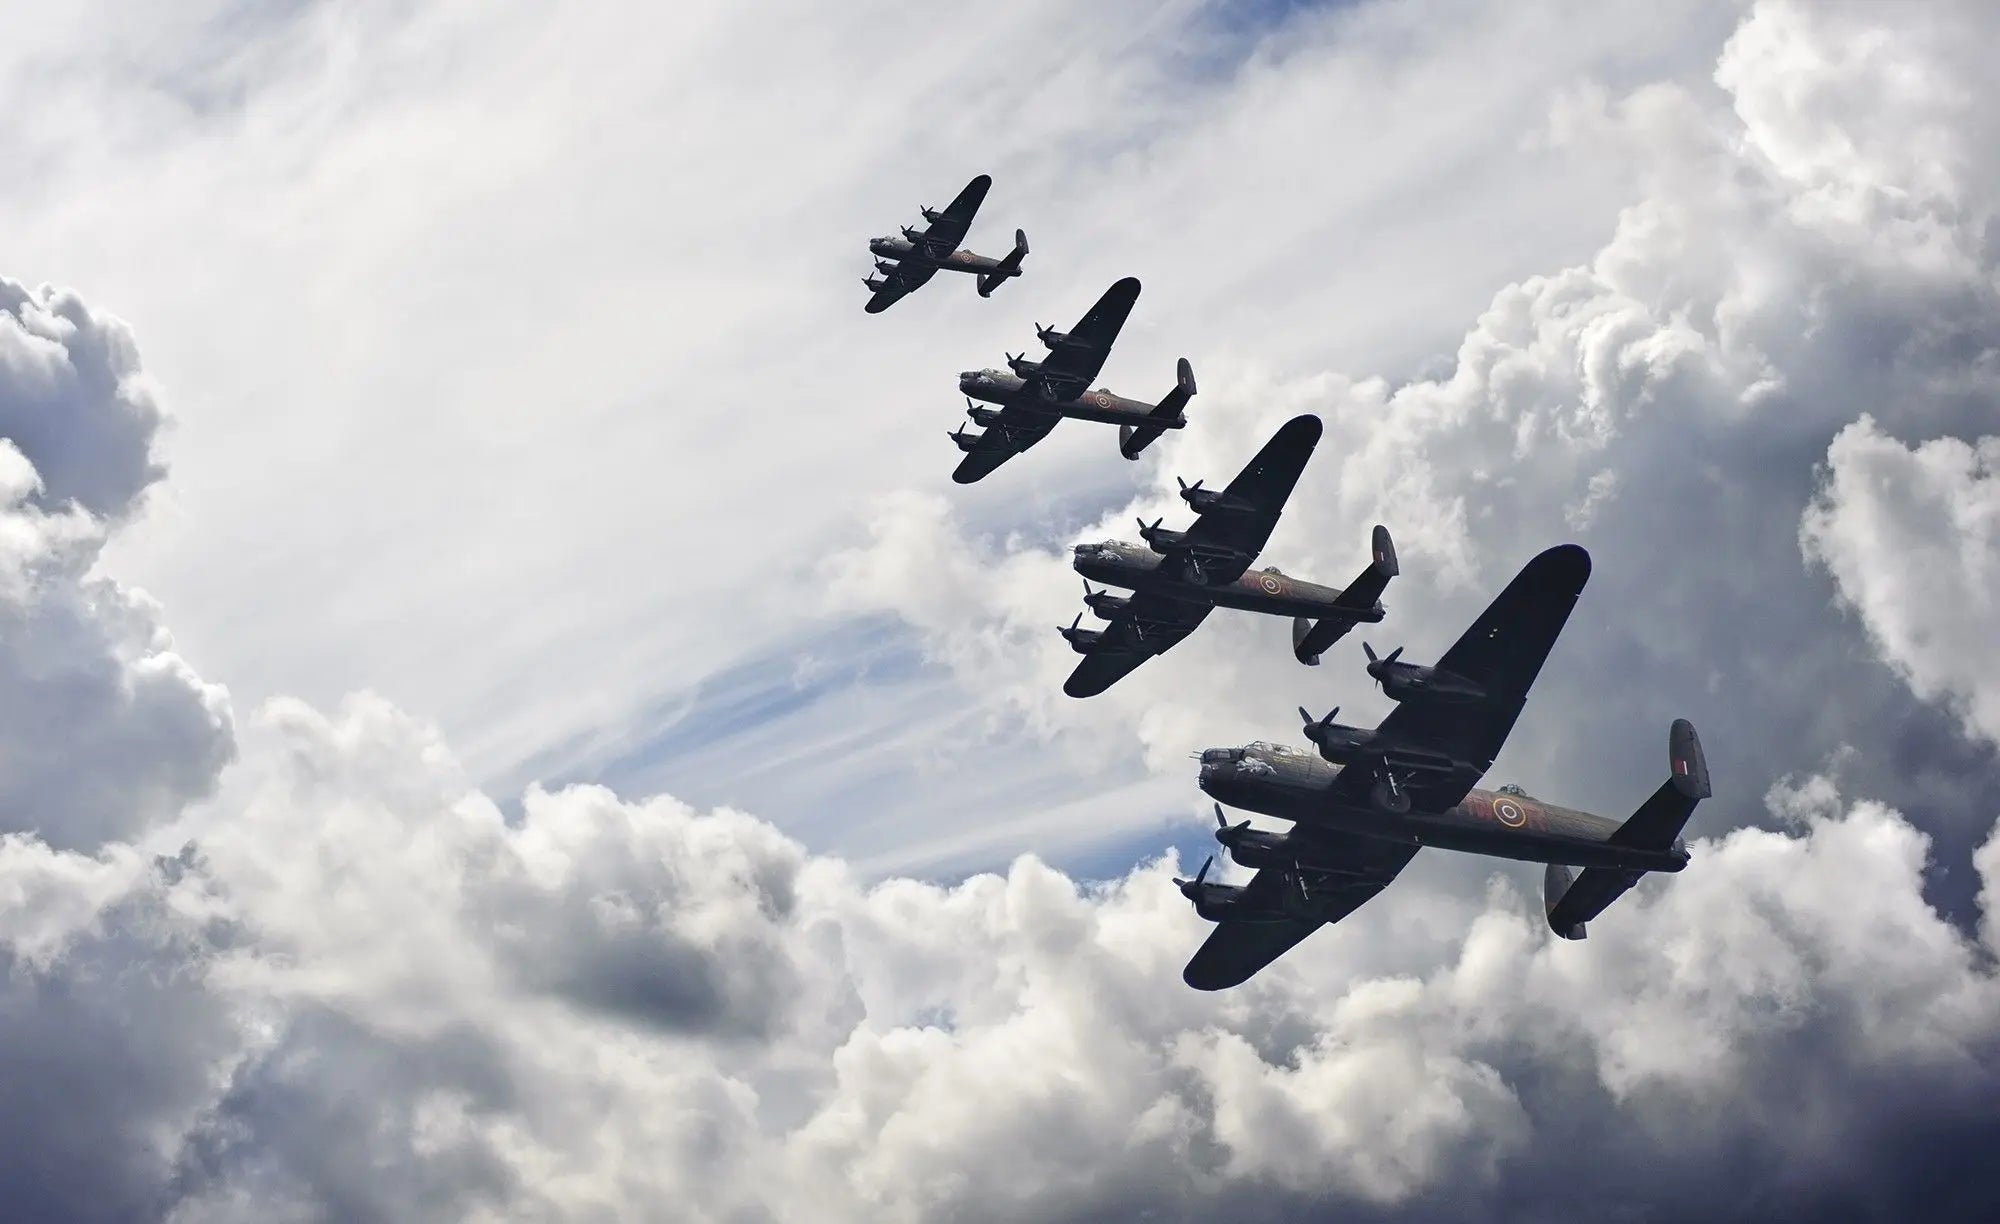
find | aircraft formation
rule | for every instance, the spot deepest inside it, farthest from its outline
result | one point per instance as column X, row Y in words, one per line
column 1361, row 802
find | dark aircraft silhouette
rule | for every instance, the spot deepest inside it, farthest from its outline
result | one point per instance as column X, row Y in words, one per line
column 905, row 263
column 1039, row 393
column 1367, row 800
column 1178, row 577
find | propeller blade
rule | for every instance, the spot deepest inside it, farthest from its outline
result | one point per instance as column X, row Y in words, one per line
column 1394, row 655
column 1369, row 651
column 1220, row 823
column 1307, row 719
column 1201, row 875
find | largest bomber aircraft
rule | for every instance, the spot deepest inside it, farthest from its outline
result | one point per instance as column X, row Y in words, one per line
column 1369, row 800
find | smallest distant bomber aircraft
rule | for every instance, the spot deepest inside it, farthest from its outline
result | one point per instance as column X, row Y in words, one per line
column 907, row 262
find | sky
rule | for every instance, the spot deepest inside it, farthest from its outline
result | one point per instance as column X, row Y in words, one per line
column 504, row 714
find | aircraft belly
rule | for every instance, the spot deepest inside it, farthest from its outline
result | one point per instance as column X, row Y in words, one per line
column 1105, row 407
column 1245, row 595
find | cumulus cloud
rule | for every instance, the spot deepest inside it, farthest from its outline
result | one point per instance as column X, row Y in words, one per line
column 354, row 965
column 1911, row 536
column 104, row 729
column 73, row 398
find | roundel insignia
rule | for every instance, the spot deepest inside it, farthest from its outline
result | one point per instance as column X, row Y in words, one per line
column 1509, row 813
column 1269, row 584
column 1102, row 400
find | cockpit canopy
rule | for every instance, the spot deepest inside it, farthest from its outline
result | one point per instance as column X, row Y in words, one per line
column 1512, row 789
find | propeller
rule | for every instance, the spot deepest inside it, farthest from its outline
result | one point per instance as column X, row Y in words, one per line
column 1185, row 486
column 884, row 266
column 1317, row 727
column 1070, row 630
column 965, row 442
column 1187, row 887
column 1378, row 666
column 1223, row 827
column 910, row 232
column 1147, row 529
column 970, row 405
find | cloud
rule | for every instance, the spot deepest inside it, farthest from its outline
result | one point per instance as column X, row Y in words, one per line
column 1911, row 536
column 74, row 400
column 354, row 959
column 104, row 729
column 340, row 979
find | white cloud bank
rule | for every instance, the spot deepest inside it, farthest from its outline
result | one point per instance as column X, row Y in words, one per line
column 361, row 993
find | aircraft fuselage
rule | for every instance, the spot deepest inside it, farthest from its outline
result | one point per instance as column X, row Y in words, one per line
column 903, row 250
column 1297, row 785
column 1265, row 590
column 1000, row 387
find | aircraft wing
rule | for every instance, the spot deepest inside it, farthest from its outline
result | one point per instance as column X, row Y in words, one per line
column 1250, row 506
column 1236, row 949
column 905, row 277
column 1069, row 369
column 1015, row 432
column 945, row 233
column 1502, row 653
column 1151, row 624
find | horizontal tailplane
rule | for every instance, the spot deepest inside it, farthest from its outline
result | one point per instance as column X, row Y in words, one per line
column 1132, row 439
column 1309, row 640
column 1010, row 266
column 1573, row 900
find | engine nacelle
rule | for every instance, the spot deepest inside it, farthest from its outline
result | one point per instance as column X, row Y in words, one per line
column 966, row 442
column 1051, row 338
column 1202, row 500
column 1022, row 367
column 1340, row 744
column 1162, row 539
column 1105, row 605
column 984, row 417
column 1256, row 848
column 1080, row 640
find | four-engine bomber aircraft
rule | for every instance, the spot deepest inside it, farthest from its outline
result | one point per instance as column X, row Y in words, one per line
column 1039, row 393
column 907, row 262
column 1178, row 577
column 1365, row 803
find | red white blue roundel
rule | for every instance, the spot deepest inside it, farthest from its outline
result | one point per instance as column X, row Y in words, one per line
column 1509, row 813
